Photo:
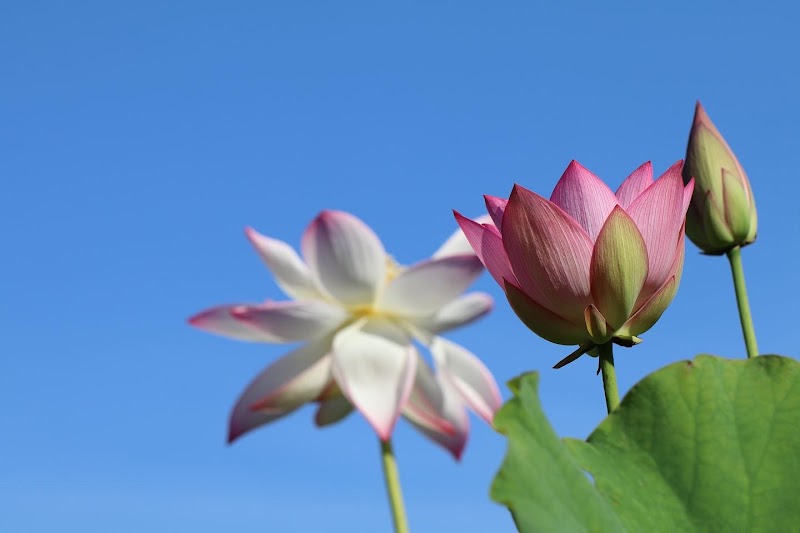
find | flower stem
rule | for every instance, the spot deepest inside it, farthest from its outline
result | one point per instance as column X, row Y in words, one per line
column 606, row 353
column 735, row 258
column 393, row 489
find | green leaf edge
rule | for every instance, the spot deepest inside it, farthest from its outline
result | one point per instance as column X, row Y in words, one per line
column 598, row 513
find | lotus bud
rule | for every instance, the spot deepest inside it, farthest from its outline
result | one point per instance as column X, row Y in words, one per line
column 588, row 266
column 722, row 213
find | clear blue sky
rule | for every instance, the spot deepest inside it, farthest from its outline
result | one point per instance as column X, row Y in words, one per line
column 137, row 139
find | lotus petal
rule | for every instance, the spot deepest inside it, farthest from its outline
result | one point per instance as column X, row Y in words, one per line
column 346, row 256
column 425, row 287
column 488, row 245
column 735, row 202
column 597, row 326
column 584, row 197
column 289, row 382
column 718, row 234
column 457, row 313
column 619, row 267
column 435, row 409
column 220, row 321
column 469, row 376
column 496, row 207
column 291, row 273
column 635, row 184
column 291, row 321
column 549, row 252
column 541, row 321
column 375, row 371
column 457, row 243
column 651, row 311
column 658, row 215
column 332, row 410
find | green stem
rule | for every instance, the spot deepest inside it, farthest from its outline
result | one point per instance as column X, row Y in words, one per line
column 735, row 258
column 393, row 489
column 606, row 353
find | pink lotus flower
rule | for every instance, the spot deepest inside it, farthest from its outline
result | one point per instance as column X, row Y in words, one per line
column 359, row 313
column 587, row 266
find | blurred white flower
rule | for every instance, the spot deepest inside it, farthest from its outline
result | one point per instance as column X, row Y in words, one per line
column 360, row 313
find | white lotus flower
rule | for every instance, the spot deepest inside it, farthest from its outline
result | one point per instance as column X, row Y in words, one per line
column 359, row 313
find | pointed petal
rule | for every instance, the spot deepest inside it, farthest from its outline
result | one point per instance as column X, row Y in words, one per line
column 457, row 243
column 425, row 287
column 288, row 383
column 707, row 152
column 295, row 379
column 635, row 184
column 718, row 234
column 736, row 203
column 675, row 269
column 688, row 189
column 584, row 197
column 680, row 252
column 332, row 410
column 751, row 235
column 243, row 420
column 488, row 245
column 291, row 273
column 220, row 321
column 291, row 321
column 549, row 253
column 375, row 372
column 652, row 310
column 496, row 207
column 658, row 213
column 469, row 376
column 618, row 269
column 426, row 401
column 597, row 326
column 543, row 322
column 457, row 313
column 435, row 409
column 346, row 256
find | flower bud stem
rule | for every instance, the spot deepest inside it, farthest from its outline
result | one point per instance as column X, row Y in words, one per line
column 735, row 258
column 606, row 353
column 393, row 489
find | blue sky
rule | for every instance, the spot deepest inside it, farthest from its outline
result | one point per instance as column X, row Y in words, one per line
column 138, row 139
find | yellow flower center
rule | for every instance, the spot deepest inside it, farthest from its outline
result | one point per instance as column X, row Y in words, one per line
column 393, row 269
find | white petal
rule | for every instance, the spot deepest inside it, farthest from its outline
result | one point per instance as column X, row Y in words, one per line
column 291, row 273
column 457, row 243
column 469, row 376
column 425, row 287
column 375, row 372
column 291, row 321
column 435, row 409
column 457, row 313
column 346, row 256
column 220, row 321
column 289, row 382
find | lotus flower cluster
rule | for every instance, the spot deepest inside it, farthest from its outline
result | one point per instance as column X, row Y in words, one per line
column 587, row 266
column 359, row 313
column 722, row 214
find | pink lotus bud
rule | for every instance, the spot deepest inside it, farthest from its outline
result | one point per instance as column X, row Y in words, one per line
column 722, row 213
column 587, row 266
